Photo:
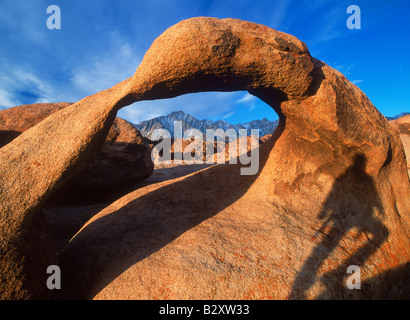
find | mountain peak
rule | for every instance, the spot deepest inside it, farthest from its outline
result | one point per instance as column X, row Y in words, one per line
column 179, row 112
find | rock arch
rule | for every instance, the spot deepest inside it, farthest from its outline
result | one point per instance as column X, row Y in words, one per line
column 325, row 122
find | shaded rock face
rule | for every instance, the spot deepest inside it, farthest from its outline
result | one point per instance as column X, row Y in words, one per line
column 124, row 159
column 331, row 190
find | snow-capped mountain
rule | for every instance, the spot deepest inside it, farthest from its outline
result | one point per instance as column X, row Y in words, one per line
column 189, row 122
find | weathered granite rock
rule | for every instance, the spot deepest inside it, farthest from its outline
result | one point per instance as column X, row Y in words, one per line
column 124, row 159
column 34, row 165
column 403, row 126
column 331, row 190
column 14, row 121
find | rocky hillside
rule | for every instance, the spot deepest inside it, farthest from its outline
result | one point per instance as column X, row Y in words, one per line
column 189, row 122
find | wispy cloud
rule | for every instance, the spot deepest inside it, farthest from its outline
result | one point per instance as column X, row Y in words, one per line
column 344, row 69
column 357, row 81
column 247, row 98
column 6, row 99
column 20, row 86
column 106, row 69
column 26, row 18
column 329, row 24
column 102, row 42
column 99, row 71
column 229, row 114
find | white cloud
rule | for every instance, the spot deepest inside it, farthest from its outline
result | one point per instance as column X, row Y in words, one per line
column 16, row 83
column 344, row 69
column 247, row 98
column 105, row 70
column 228, row 115
column 6, row 99
column 357, row 81
column 23, row 84
column 329, row 25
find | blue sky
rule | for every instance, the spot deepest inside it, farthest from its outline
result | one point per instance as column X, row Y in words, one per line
column 102, row 42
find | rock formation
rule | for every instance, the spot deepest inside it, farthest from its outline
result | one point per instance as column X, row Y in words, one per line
column 124, row 159
column 16, row 120
column 403, row 126
column 34, row 165
column 331, row 190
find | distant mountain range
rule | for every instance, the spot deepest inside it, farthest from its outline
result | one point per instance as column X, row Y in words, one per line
column 189, row 122
column 398, row 116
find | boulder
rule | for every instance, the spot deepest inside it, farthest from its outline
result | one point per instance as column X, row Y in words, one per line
column 124, row 160
column 331, row 190
column 14, row 121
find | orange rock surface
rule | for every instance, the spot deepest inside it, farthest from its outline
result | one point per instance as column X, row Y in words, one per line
column 331, row 191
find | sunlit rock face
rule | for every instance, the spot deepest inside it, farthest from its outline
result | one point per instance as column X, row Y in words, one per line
column 331, row 190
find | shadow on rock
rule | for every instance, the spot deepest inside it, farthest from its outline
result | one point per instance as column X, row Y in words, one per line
column 353, row 203
column 109, row 245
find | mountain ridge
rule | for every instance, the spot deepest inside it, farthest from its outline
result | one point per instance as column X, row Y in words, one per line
column 400, row 115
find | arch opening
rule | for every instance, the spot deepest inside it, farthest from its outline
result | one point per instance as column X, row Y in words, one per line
column 203, row 128
column 236, row 107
